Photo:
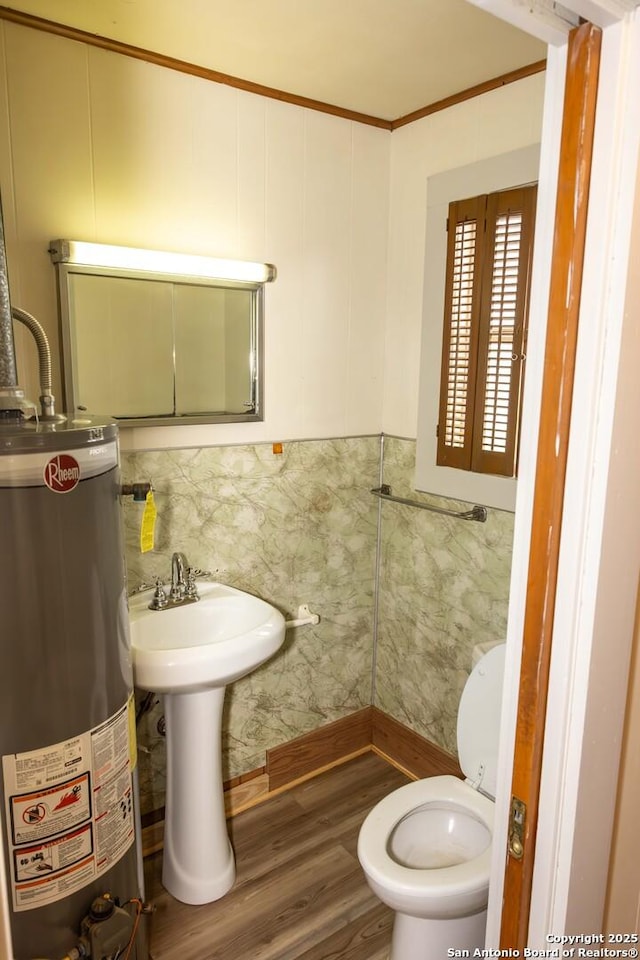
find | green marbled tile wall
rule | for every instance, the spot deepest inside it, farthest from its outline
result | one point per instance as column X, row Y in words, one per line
column 301, row 527
column 294, row 528
column 443, row 587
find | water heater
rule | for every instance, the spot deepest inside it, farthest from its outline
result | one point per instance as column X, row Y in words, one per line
column 67, row 736
column 68, row 814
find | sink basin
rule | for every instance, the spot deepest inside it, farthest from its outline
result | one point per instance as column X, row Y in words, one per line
column 220, row 638
column 189, row 653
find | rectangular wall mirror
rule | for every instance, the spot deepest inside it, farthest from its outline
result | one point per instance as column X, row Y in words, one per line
column 152, row 338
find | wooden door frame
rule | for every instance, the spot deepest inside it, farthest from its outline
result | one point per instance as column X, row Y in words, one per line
column 574, row 179
column 574, row 833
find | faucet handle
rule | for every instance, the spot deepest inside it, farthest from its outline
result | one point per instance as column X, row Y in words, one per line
column 159, row 601
column 191, row 589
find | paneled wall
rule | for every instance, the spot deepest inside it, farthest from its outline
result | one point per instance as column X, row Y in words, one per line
column 100, row 147
column 302, row 527
column 443, row 588
column 495, row 123
column 297, row 527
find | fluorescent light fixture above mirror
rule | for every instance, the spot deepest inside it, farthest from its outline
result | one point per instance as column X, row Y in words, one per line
column 158, row 261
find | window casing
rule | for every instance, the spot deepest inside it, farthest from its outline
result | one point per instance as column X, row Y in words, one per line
column 489, row 254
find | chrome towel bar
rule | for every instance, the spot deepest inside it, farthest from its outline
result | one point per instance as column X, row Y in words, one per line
column 476, row 513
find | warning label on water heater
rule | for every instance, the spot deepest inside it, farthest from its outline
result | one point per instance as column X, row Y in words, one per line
column 69, row 811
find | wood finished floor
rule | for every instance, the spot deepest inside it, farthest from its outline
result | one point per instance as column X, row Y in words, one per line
column 300, row 893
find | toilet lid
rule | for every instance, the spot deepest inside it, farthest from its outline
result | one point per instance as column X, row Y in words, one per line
column 479, row 721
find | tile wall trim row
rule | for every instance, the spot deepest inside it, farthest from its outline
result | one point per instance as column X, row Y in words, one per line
column 253, row 443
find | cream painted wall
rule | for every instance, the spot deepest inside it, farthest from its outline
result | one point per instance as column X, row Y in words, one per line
column 97, row 146
column 622, row 911
column 100, row 147
column 485, row 126
column 623, row 894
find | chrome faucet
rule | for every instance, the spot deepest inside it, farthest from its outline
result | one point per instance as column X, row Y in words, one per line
column 178, row 583
column 183, row 585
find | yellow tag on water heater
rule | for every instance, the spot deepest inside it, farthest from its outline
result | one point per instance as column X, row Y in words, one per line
column 148, row 526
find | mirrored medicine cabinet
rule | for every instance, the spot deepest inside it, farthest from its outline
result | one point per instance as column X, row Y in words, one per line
column 152, row 338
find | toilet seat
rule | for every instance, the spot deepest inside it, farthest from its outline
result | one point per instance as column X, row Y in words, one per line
column 478, row 729
column 438, row 893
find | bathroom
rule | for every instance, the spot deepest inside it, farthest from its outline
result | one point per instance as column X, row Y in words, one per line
column 340, row 208
column 307, row 518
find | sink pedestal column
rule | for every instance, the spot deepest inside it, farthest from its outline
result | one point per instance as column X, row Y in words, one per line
column 198, row 864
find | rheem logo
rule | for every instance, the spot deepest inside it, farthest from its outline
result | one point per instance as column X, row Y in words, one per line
column 62, row 473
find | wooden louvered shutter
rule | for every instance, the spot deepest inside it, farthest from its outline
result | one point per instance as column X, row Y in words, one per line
column 502, row 330
column 489, row 254
column 459, row 350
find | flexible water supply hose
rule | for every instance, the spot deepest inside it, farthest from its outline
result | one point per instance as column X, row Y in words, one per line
column 47, row 399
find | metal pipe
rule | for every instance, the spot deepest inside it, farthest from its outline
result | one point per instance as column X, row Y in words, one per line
column 8, row 370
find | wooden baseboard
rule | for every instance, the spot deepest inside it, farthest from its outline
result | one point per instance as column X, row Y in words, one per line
column 408, row 749
column 319, row 748
column 368, row 728
column 243, row 778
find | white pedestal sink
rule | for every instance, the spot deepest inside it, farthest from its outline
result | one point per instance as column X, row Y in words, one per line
column 189, row 653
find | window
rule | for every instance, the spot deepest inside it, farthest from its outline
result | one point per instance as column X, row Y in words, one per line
column 489, row 253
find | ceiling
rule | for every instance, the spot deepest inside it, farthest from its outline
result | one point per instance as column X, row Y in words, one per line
column 384, row 58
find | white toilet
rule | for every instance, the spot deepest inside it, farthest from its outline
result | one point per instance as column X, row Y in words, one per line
column 426, row 848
